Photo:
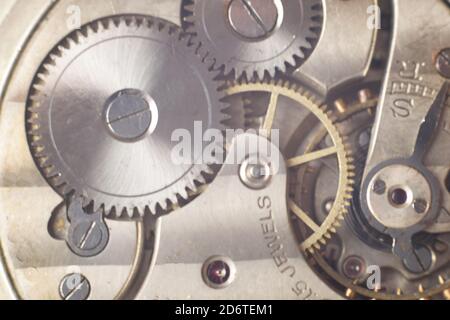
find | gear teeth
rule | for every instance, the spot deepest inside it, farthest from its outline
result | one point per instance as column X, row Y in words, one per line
column 296, row 55
column 46, row 73
column 303, row 96
column 200, row 180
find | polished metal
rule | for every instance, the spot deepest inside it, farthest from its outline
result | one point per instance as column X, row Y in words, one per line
column 254, row 37
column 256, row 172
column 287, row 101
column 88, row 234
column 255, row 19
column 75, row 287
column 130, row 114
column 268, row 262
column 396, row 208
column 355, row 245
column 348, row 47
column 412, row 102
column 106, row 89
column 412, row 82
column 108, row 144
column 32, row 261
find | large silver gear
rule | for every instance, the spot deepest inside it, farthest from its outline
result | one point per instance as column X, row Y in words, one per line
column 254, row 37
column 103, row 108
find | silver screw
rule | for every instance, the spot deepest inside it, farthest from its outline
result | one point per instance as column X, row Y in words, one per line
column 74, row 286
column 420, row 205
column 88, row 235
column 443, row 63
column 253, row 19
column 128, row 114
column 255, row 173
column 379, row 187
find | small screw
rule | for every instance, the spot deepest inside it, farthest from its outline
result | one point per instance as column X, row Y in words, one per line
column 420, row 261
column 129, row 115
column 379, row 187
column 74, row 286
column 420, row 205
column 443, row 62
column 255, row 173
column 253, row 19
column 88, row 235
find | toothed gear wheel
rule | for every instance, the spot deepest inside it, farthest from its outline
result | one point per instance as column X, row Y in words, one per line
column 103, row 108
column 287, row 101
column 254, row 37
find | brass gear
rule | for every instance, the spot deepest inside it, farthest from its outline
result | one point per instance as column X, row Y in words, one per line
column 304, row 100
column 352, row 288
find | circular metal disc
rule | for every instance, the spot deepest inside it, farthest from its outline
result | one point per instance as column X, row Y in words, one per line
column 246, row 36
column 105, row 106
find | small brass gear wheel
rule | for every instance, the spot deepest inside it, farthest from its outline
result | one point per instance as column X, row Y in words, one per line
column 284, row 96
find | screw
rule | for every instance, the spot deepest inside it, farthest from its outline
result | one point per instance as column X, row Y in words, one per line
column 443, row 63
column 254, row 19
column 88, row 235
column 74, row 286
column 255, row 173
column 419, row 261
column 379, row 187
column 420, row 205
column 129, row 114
column 218, row 272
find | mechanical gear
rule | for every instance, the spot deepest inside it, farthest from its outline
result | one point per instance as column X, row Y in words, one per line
column 287, row 97
column 105, row 133
column 344, row 261
column 254, row 37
